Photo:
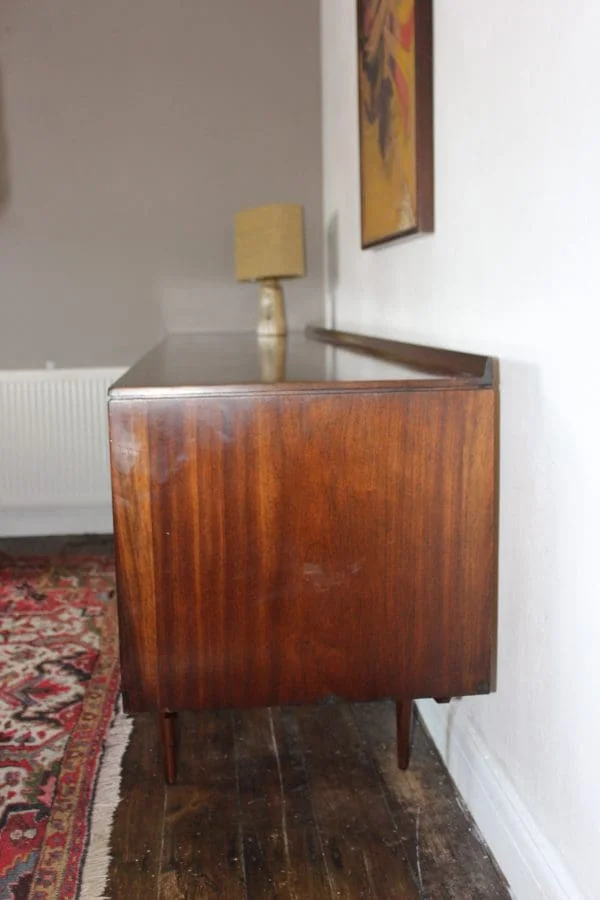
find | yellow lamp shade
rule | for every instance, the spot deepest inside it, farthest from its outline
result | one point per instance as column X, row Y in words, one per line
column 269, row 242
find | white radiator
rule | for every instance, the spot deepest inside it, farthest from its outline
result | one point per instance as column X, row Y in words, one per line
column 54, row 473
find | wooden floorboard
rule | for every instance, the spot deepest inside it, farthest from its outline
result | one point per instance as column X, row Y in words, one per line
column 202, row 852
column 362, row 845
column 138, row 826
column 446, row 853
column 295, row 803
column 282, row 852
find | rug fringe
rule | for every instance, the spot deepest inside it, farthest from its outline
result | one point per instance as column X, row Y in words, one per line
column 106, row 800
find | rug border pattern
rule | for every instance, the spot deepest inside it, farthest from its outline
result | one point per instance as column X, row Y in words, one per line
column 58, row 872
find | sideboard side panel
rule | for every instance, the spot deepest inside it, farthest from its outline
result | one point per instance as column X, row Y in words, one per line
column 316, row 545
column 132, row 512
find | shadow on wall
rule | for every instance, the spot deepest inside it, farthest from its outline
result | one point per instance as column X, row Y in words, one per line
column 333, row 267
column 4, row 179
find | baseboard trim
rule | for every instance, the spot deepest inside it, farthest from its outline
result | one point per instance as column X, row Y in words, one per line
column 530, row 863
column 49, row 521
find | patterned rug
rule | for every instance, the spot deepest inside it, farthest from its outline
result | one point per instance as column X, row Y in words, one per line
column 59, row 682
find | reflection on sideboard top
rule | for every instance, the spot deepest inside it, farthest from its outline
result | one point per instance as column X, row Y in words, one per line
column 319, row 358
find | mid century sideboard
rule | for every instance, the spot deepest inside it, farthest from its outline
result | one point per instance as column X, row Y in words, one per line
column 325, row 532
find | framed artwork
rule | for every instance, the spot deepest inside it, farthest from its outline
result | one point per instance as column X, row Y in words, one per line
column 395, row 78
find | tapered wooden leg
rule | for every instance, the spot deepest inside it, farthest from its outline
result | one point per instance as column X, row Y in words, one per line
column 167, row 733
column 403, row 733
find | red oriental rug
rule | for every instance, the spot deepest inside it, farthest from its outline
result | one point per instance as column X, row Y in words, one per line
column 59, row 684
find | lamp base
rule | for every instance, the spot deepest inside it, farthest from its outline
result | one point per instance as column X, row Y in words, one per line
column 271, row 354
column 271, row 321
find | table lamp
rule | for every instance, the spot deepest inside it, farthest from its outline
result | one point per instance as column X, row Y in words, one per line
column 269, row 245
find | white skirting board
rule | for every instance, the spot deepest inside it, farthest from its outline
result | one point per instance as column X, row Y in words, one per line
column 531, row 865
column 56, row 521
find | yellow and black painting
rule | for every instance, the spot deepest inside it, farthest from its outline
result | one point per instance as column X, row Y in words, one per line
column 387, row 98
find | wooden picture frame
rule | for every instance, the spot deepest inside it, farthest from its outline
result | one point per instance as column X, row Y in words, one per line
column 395, row 96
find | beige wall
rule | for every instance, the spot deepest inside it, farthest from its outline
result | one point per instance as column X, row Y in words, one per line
column 135, row 131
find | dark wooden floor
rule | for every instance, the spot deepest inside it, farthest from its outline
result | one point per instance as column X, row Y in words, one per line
column 288, row 803
column 294, row 803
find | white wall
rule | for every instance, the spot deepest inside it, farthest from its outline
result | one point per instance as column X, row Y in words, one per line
column 134, row 131
column 512, row 270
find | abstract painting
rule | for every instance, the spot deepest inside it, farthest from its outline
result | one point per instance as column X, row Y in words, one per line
column 395, row 72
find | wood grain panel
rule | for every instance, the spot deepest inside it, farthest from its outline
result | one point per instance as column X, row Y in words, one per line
column 309, row 546
column 132, row 512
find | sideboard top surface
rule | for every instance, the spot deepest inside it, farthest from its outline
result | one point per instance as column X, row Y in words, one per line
column 319, row 359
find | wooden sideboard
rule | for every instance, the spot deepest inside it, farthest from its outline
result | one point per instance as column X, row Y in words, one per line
column 304, row 522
